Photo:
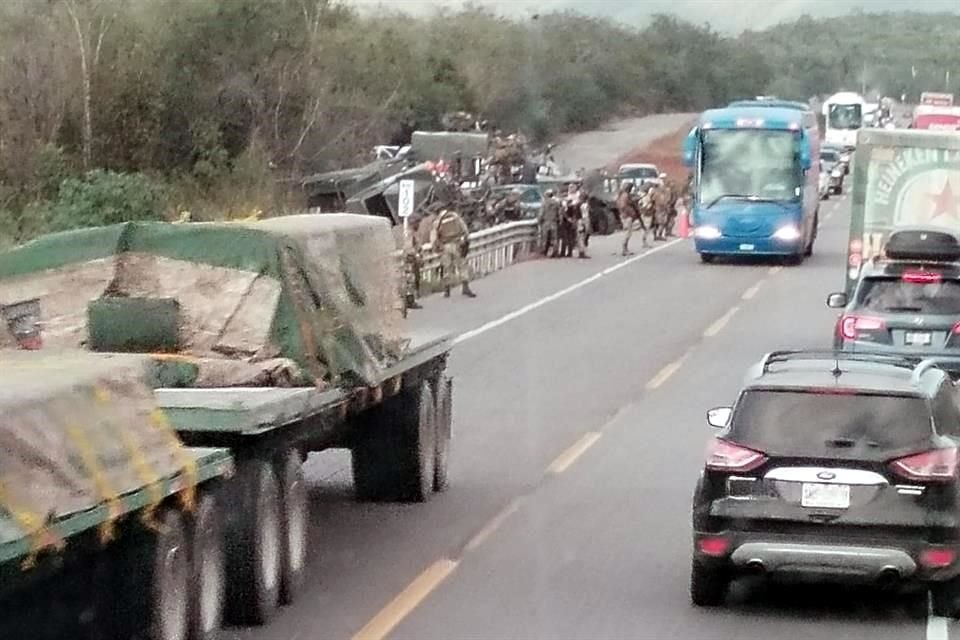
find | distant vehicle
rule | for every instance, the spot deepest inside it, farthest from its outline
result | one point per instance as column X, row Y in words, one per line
column 845, row 155
column 909, row 301
column 639, row 173
column 824, row 185
column 833, row 168
column 936, row 118
column 936, row 99
column 844, row 116
column 756, row 181
column 904, row 178
column 798, row 486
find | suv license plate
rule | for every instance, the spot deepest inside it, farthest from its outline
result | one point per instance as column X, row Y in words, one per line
column 746, row 247
column 825, row 496
column 918, row 338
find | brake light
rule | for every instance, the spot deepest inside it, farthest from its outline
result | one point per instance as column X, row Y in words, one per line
column 956, row 328
column 715, row 546
column 729, row 457
column 921, row 277
column 851, row 326
column 936, row 465
column 937, row 558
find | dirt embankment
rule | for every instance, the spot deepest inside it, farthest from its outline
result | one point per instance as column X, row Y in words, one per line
column 663, row 151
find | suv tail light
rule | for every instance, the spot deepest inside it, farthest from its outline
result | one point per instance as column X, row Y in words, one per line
column 936, row 465
column 852, row 325
column 729, row 457
column 937, row 557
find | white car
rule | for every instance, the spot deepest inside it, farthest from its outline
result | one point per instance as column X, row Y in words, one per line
column 639, row 173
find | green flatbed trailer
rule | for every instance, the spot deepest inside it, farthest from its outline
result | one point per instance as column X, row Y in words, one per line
column 109, row 526
column 311, row 292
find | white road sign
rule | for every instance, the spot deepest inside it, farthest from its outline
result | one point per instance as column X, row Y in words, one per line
column 405, row 207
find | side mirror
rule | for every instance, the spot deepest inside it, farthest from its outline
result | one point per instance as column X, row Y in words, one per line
column 719, row 417
column 806, row 160
column 837, row 300
column 690, row 147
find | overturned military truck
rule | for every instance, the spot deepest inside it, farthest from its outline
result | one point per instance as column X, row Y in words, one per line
column 266, row 340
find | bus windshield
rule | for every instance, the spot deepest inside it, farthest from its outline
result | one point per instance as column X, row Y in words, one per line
column 759, row 163
column 845, row 116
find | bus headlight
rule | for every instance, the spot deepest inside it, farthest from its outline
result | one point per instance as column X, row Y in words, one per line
column 787, row 233
column 707, row 233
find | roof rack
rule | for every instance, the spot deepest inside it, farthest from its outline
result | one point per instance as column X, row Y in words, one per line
column 917, row 364
column 905, row 361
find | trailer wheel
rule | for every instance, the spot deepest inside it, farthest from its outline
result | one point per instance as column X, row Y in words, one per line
column 295, row 525
column 443, row 433
column 208, row 569
column 255, row 546
column 394, row 456
column 168, row 607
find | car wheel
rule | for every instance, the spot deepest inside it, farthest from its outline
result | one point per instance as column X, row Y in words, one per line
column 708, row 585
column 707, row 257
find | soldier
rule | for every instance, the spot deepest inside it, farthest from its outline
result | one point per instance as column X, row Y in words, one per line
column 550, row 223
column 508, row 209
column 579, row 213
column 568, row 225
column 646, row 209
column 627, row 207
column 451, row 239
column 661, row 213
column 412, row 264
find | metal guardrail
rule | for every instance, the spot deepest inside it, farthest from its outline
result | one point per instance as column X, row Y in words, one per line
column 491, row 250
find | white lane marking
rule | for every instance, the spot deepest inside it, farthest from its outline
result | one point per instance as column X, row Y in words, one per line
column 522, row 311
column 752, row 291
column 720, row 323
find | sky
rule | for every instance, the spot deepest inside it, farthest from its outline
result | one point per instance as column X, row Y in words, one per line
column 724, row 15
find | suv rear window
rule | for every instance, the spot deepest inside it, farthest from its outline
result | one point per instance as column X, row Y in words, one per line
column 892, row 295
column 807, row 424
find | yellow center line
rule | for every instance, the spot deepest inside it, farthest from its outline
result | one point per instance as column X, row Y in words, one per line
column 494, row 524
column 568, row 457
column 407, row 600
column 665, row 373
column 720, row 323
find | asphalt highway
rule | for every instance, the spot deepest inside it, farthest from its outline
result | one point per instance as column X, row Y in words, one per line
column 579, row 431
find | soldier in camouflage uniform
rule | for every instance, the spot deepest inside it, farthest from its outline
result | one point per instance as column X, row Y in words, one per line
column 646, row 214
column 412, row 265
column 451, row 238
column 661, row 210
column 550, row 224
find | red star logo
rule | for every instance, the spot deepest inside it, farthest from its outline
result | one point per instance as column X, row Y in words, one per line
column 945, row 204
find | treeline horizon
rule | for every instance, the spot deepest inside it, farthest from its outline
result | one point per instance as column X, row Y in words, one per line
column 112, row 109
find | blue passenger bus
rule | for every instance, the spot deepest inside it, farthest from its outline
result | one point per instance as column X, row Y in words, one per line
column 756, row 180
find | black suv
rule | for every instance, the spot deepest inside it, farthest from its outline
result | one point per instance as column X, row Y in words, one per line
column 836, row 466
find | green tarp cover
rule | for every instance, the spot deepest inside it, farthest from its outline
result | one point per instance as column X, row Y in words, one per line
column 77, row 431
column 319, row 290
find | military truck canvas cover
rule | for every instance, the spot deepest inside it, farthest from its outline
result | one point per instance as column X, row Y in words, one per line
column 77, row 430
column 901, row 178
column 318, row 291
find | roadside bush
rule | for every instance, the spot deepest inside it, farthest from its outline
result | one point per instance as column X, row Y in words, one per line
column 104, row 197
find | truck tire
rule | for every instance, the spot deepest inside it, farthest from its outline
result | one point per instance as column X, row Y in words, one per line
column 254, row 545
column 295, row 518
column 208, row 569
column 444, row 431
column 394, row 456
column 167, row 605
